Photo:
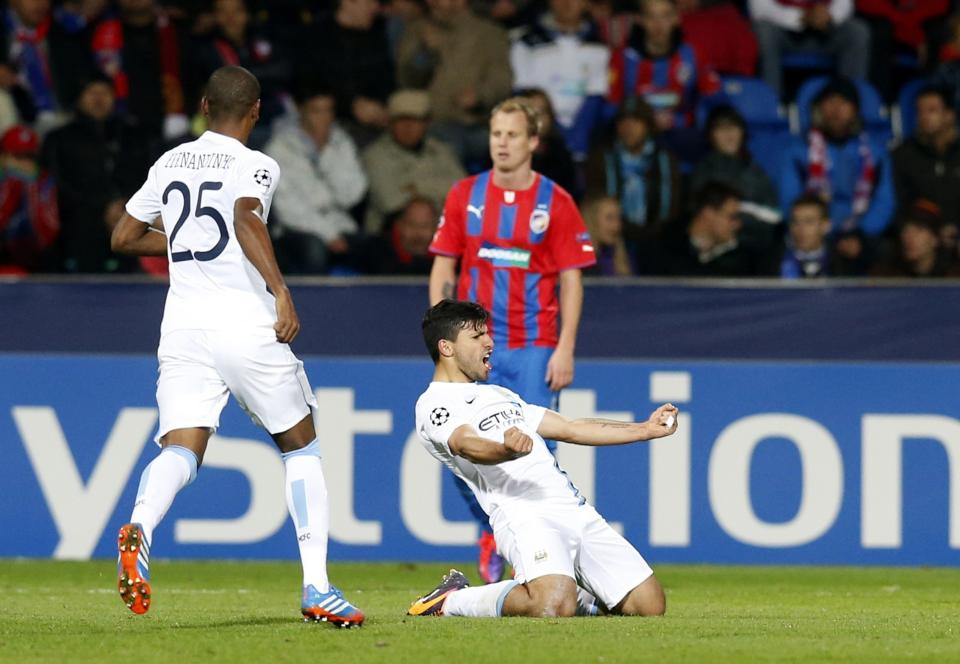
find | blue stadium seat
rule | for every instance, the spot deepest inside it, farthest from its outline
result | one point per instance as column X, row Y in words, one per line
column 875, row 116
column 752, row 98
column 906, row 104
column 767, row 145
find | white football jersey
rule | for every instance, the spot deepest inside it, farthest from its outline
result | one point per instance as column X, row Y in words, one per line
column 508, row 490
column 194, row 187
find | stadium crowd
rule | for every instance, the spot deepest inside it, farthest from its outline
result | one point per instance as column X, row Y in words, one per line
column 792, row 138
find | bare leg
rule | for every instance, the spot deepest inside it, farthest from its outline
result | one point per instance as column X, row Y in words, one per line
column 647, row 599
column 553, row 595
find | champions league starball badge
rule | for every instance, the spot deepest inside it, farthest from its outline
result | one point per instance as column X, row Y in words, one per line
column 438, row 416
column 263, row 178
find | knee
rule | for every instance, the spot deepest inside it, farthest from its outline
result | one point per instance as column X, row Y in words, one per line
column 563, row 608
column 556, row 605
column 645, row 600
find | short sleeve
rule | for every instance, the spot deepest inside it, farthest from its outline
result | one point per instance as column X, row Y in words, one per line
column 533, row 415
column 258, row 178
column 568, row 237
column 145, row 205
column 437, row 420
column 448, row 240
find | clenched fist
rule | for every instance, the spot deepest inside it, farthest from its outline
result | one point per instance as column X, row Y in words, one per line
column 519, row 443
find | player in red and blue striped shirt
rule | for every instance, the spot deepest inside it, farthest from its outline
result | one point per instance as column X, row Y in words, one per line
column 517, row 236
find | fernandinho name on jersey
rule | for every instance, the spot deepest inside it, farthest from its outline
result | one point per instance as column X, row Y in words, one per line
column 198, row 160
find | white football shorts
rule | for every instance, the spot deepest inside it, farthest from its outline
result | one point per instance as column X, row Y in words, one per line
column 575, row 542
column 199, row 369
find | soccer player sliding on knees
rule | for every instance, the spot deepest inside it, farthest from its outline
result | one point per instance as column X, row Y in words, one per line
column 567, row 560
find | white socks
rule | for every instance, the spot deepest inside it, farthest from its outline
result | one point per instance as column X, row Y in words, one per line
column 587, row 604
column 306, row 492
column 479, row 601
column 174, row 468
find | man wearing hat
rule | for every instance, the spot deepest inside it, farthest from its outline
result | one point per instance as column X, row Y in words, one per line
column 29, row 223
column 921, row 251
column 841, row 163
column 404, row 162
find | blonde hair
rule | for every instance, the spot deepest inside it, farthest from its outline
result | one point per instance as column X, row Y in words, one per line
column 591, row 215
column 520, row 105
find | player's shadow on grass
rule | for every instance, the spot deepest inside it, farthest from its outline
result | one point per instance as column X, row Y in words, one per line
column 241, row 622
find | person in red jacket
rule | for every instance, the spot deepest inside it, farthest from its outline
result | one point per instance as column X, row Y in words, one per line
column 721, row 35
column 898, row 27
column 29, row 223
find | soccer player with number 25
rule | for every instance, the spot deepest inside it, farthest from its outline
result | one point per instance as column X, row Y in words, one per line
column 226, row 327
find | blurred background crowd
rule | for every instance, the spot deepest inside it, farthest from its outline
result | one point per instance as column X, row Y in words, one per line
column 792, row 138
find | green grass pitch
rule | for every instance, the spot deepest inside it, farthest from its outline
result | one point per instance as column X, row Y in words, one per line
column 248, row 612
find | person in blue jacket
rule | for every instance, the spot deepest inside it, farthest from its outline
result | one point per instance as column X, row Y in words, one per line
column 841, row 163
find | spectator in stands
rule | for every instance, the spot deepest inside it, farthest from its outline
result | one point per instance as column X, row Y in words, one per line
column 29, row 223
column 708, row 246
column 947, row 73
column 920, row 252
column 640, row 174
column 562, row 54
column 605, row 223
column 350, row 52
column 141, row 50
column 839, row 161
column 927, row 165
column 464, row 63
column 730, row 161
column 97, row 160
column 44, row 58
column 614, row 22
column 806, row 251
column 822, row 27
column 897, row 25
column 658, row 66
column 234, row 41
column 404, row 162
column 508, row 13
column 403, row 249
column 322, row 181
column 720, row 35
column 551, row 157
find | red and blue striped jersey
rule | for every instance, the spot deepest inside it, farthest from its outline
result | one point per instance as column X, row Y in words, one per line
column 670, row 83
column 512, row 245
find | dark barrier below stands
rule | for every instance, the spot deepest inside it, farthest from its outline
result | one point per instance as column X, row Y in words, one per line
column 650, row 319
column 790, row 449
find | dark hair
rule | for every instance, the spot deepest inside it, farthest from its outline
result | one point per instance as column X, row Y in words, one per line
column 637, row 108
column 231, row 92
column 446, row 319
column 940, row 91
column 311, row 87
column 713, row 194
column 812, row 199
column 728, row 114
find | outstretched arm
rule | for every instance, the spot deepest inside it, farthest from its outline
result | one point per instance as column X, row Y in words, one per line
column 466, row 443
column 589, row 431
column 137, row 238
column 255, row 243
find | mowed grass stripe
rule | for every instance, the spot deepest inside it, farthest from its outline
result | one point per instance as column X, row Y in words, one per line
column 249, row 612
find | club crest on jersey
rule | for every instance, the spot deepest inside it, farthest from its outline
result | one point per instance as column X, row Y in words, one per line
column 540, row 219
column 263, row 178
column 439, row 416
